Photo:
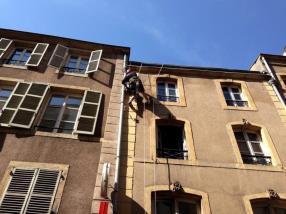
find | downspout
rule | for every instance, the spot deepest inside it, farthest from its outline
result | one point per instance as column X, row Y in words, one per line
column 273, row 81
column 117, row 161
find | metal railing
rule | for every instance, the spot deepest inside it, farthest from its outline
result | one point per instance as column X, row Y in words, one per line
column 172, row 153
column 242, row 103
column 74, row 70
column 256, row 159
column 168, row 98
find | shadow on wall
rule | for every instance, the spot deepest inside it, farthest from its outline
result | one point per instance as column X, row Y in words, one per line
column 105, row 73
column 2, row 140
column 154, row 107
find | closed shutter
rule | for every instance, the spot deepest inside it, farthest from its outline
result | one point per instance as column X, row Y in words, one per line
column 43, row 192
column 93, row 62
column 30, row 191
column 23, row 104
column 88, row 112
column 4, row 45
column 18, row 190
column 37, row 54
column 58, row 56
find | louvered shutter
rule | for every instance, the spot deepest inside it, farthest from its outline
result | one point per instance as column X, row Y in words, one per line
column 4, row 45
column 18, row 190
column 43, row 192
column 23, row 104
column 93, row 62
column 58, row 56
column 37, row 54
column 88, row 112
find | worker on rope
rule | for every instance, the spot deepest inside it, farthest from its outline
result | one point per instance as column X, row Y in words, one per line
column 134, row 87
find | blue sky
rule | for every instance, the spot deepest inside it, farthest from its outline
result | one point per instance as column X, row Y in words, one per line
column 208, row 33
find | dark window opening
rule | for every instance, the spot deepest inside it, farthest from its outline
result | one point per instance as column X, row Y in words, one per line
column 269, row 207
column 171, row 141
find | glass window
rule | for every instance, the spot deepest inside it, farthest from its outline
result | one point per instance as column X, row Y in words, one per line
column 60, row 114
column 269, row 207
column 233, row 96
column 171, row 142
column 167, row 91
column 76, row 64
column 250, row 146
column 19, row 57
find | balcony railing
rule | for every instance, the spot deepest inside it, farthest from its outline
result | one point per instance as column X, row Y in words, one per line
column 168, row 98
column 256, row 159
column 242, row 103
column 172, row 153
column 74, row 70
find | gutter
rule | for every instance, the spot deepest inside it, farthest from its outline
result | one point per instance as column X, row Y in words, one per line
column 273, row 81
column 117, row 161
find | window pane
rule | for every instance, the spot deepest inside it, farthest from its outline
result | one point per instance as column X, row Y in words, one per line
column 256, row 147
column 237, row 96
column 239, row 136
column 171, row 86
column 235, row 90
column 187, row 208
column 261, row 210
column 70, row 114
column 47, row 125
column 279, row 210
column 243, row 148
column 83, row 64
column 5, row 93
column 72, row 62
column 164, row 207
column 57, row 101
column 66, row 127
column 51, row 113
column 73, row 102
column 252, row 136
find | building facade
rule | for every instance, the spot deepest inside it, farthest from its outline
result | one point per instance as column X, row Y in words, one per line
column 210, row 142
column 59, row 114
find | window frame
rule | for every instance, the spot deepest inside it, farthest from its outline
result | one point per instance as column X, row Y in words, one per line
column 181, row 101
column 79, row 58
column 61, row 112
column 25, row 49
column 5, row 87
column 167, row 91
column 232, row 95
column 245, row 93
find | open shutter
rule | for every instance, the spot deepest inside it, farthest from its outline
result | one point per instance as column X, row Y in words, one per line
column 43, row 191
column 88, row 112
column 58, row 56
column 23, row 104
column 4, row 45
column 18, row 190
column 29, row 106
column 37, row 54
column 93, row 62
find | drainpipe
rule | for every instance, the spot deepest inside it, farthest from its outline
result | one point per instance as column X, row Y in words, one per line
column 117, row 161
column 273, row 81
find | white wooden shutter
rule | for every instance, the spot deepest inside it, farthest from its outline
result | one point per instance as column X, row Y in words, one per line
column 58, row 56
column 17, row 191
column 43, row 192
column 88, row 112
column 30, row 191
column 93, row 62
column 23, row 104
column 4, row 45
column 37, row 54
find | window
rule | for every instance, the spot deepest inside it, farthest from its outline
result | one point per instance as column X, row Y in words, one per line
column 167, row 91
column 251, row 147
column 76, row 64
column 269, row 207
column 32, row 188
column 166, row 202
column 233, row 96
column 19, row 57
column 5, row 93
column 60, row 114
column 171, row 141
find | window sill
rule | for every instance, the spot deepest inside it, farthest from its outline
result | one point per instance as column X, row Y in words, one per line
column 168, row 103
column 239, row 108
column 23, row 67
column 72, row 74
column 57, row 135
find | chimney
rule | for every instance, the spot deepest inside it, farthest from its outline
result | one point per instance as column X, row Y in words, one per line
column 284, row 52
